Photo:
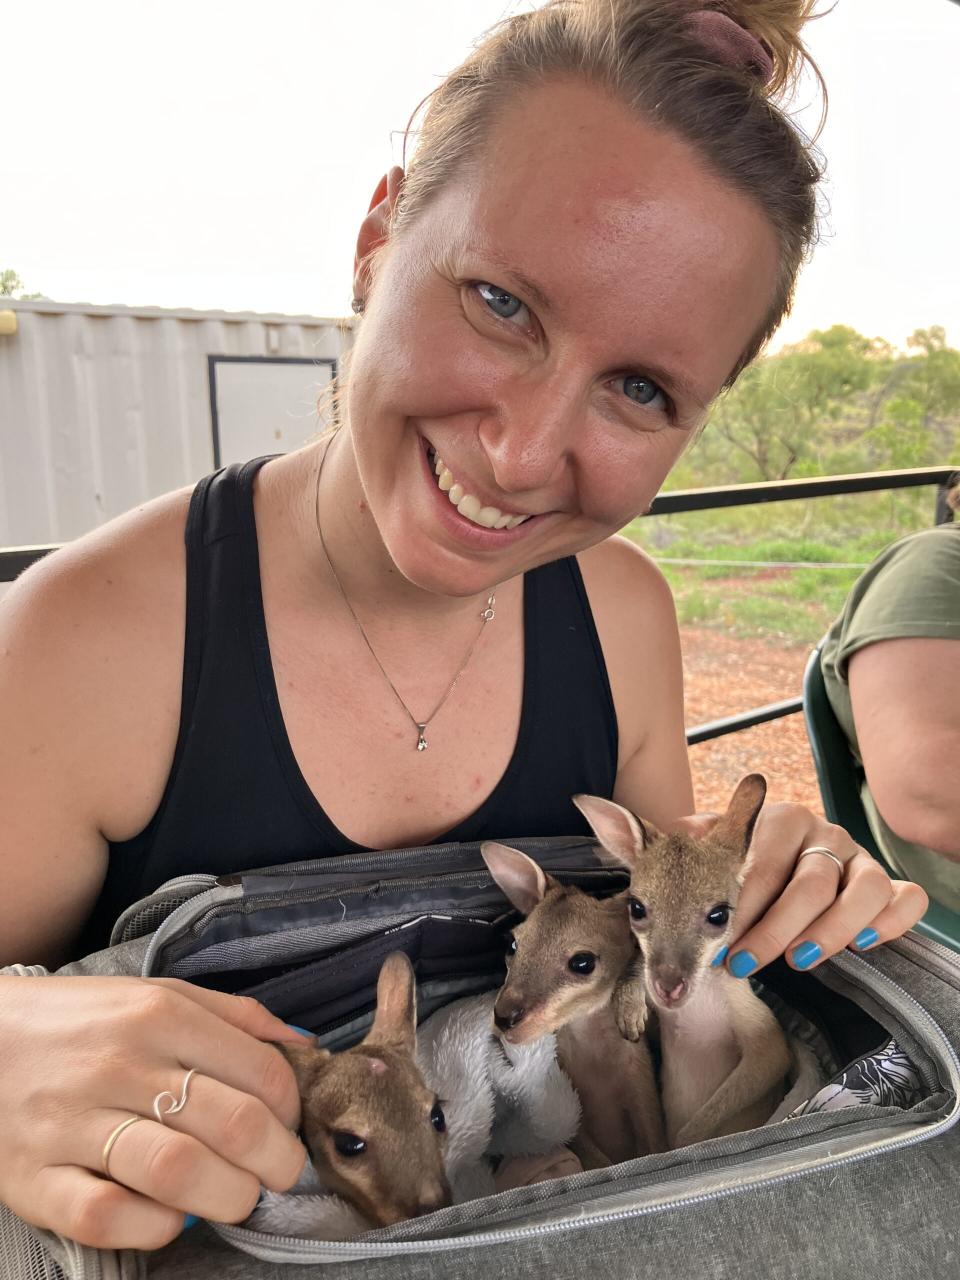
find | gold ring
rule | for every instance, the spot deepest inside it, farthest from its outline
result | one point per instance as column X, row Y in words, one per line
column 108, row 1145
column 827, row 853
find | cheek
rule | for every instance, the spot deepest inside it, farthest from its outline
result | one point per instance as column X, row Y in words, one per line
column 624, row 470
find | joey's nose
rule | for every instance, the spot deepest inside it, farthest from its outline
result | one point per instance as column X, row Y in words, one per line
column 507, row 1016
column 438, row 1198
column 670, row 988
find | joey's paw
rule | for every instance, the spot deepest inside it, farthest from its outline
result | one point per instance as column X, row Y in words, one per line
column 630, row 1011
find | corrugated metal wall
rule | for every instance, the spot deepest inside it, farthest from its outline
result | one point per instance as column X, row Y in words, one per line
column 104, row 407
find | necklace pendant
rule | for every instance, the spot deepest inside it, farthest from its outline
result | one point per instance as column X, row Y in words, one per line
column 421, row 740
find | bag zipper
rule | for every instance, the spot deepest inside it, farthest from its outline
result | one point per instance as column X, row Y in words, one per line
column 857, row 969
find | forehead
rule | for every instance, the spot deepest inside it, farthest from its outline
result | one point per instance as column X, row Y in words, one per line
column 622, row 224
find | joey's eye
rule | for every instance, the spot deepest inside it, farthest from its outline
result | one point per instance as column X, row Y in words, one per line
column 582, row 962
column 511, row 945
column 719, row 915
column 500, row 302
column 637, row 910
column 643, row 391
column 349, row 1145
column 438, row 1119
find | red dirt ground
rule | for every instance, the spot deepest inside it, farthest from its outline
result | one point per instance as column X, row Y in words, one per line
column 725, row 675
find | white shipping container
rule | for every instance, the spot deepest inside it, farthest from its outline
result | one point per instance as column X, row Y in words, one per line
column 102, row 408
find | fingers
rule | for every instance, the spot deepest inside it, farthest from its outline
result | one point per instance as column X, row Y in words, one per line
column 242, row 1012
column 821, row 912
column 176, row 1170
column 94, row 1211
column 241, row 1130
column 198, row 1036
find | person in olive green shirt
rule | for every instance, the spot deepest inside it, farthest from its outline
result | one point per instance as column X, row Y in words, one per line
column 891, row 666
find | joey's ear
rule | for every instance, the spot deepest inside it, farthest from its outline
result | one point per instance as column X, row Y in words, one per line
column 375, row 228
column 307, row 1060
column 395, row 1022
column 734, row 828
column 618, row 830
column 521, row 879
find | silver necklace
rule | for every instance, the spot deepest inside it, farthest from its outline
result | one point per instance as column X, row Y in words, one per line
column 486, row 615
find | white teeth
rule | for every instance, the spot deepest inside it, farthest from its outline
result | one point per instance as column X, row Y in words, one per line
column 468, row 505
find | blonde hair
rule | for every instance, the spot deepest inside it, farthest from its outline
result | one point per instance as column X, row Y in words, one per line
column 642, row 53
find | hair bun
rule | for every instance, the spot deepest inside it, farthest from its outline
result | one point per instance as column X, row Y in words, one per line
column 777, row 24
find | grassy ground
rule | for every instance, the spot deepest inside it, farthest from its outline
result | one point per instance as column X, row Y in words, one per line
column 786, row 604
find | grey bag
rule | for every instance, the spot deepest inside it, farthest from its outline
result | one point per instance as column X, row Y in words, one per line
column 833, row 1190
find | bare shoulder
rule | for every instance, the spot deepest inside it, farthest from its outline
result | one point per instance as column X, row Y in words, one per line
column 636, row 621
column 91, row 654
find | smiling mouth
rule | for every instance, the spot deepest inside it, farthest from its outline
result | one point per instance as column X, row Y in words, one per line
column 469, row 506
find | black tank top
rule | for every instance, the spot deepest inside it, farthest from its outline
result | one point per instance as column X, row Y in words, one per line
column 236, row 799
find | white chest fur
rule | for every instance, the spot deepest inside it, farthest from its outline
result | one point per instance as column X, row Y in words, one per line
column 700, row 1050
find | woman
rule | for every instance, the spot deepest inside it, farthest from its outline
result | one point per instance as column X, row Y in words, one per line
column 600, row 227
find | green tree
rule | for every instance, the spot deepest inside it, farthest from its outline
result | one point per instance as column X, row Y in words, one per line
column 11, row 286
column 781, row 411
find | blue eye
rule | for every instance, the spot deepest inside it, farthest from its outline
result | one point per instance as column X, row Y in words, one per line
column 497, row 298
column 645, row 391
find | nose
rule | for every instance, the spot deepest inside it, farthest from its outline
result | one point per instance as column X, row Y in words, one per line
column 528, row 442
column 508, row 1015
column 670, row 986
column 437, row 1198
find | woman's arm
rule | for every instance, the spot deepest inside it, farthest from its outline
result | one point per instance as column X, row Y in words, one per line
column 905, row 698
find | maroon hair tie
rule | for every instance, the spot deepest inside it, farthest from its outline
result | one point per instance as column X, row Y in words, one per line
column 730, row 43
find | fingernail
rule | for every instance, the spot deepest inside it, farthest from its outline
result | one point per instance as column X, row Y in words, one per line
column 742, row 964
column 719, row 958
column 805, row 955
column 301, row 1030
column 865, row 938
column 189, row 1221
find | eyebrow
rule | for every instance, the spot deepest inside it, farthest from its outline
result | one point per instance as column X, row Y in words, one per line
column 675, row 383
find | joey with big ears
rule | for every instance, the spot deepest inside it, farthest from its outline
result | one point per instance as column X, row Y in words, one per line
column 374, row 1130
column 565, row 965
column 724, row 1056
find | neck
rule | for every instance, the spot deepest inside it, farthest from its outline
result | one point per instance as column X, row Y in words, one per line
column 356, row 551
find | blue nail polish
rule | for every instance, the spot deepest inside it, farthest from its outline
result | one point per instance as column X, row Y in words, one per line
column 805, row 955
column 189, row 1221
column 865, row 938
column 719, row 958
column 300, row 1029
column 742, row 964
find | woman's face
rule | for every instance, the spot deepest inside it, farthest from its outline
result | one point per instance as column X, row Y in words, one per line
column 552, row 327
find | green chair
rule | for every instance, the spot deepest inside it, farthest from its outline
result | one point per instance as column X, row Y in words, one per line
column 840, row 779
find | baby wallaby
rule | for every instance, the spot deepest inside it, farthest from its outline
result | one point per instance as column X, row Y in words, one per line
column 565, row 965
column 374, row 1130
column 724, row 1056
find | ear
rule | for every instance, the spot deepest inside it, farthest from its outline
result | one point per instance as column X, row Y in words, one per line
column 307, row 1061
column 620, row 833
column 735, row 827
column 523, row 882
column 395, row 1022
column 375, row 228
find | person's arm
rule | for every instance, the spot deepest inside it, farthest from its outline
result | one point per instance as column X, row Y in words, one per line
column 90, row 673
column 636, row 623
column 905, row 698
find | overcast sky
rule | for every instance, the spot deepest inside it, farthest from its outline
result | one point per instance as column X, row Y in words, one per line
column 208, row 154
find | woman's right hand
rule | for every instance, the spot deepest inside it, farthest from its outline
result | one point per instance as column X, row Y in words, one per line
column 81, row 1055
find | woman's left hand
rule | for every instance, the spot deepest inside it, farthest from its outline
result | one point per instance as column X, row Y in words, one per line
column 806, row 908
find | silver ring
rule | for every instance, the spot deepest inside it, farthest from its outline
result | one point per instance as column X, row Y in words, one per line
column 827, row 853
column 175, row 1105
column 108, row 1145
